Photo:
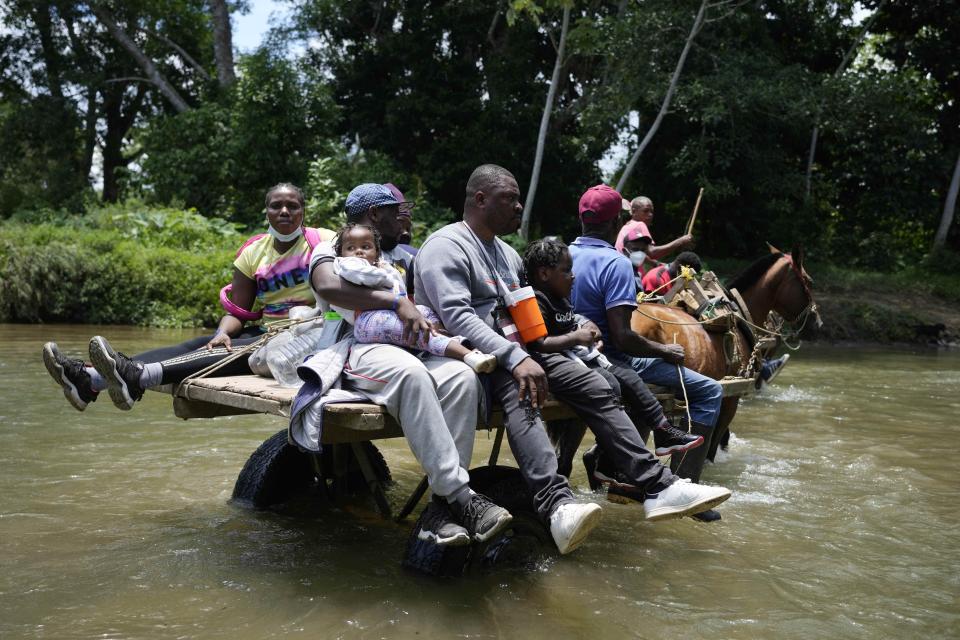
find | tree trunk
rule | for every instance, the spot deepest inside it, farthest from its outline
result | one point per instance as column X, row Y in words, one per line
column 544, row 125
column 51, row 54
column 847, row 57
column 949, row 208
column 90, row 131
column 808, row 180
column 119, row 120
column 674, row 81
column 222, row 42
column 150, row 69
column 112, row 151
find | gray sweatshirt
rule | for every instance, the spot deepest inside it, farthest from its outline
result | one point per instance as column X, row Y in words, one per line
column 453, row 275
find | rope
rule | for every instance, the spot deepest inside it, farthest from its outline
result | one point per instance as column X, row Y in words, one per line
column 686, row 406
column 274, row 330
column 686, row 401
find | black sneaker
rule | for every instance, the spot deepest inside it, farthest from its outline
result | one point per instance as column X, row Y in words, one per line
column 482, row 518
column 439, row 527
column 623, row 493
column 71, row 375
column 710, row 515
column 669, row 440
column 120, row 372
column 599, row 469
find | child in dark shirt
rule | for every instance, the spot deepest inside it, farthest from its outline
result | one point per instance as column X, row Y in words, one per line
column 550, row 272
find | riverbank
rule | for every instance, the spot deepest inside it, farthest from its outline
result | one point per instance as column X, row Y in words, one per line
column 916, row 306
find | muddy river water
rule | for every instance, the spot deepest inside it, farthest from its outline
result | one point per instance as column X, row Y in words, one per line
column 844, row 523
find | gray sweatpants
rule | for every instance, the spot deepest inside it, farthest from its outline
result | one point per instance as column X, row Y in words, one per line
column 435, row 400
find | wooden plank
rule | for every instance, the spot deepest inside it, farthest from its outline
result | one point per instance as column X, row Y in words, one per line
column 189, row 409
column 737, row 386
column 347, row 422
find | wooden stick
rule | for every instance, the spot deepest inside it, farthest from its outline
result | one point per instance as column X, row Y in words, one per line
column 693, row 217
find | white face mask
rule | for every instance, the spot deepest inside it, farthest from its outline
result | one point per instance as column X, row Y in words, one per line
column 293, row 235
column 637, row 258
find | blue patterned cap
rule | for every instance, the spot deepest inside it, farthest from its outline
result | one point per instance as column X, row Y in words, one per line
column 368, row 195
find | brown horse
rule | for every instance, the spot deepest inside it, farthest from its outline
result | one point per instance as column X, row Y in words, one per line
column 775, row 282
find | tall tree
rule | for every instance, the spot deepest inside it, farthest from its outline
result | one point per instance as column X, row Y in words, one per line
column 154, row 75
column 949, row 208
column 698, row 23
column 925, row 36
column 848, row 57
column 545, row 124
column 222, row 42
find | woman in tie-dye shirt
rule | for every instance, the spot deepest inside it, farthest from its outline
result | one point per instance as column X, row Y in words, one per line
column 270, row 275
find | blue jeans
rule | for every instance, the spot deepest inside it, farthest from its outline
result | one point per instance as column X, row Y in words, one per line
column 703, row 393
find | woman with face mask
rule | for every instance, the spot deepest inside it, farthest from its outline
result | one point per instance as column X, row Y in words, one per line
column 270, row 272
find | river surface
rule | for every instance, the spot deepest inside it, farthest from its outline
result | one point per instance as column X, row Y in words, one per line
column 844, row 523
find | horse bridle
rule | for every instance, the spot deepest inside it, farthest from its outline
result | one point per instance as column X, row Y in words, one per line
column 811, row 309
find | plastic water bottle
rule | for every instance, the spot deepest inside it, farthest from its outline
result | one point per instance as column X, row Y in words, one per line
column 284, row 360
column 305, row 313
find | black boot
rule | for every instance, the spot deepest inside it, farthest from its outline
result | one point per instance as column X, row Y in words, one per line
column 689, row 464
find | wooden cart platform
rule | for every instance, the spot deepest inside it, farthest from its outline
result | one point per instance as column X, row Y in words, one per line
column 342, row 423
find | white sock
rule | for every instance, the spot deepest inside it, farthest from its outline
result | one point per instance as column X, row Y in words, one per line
column 461, row 496
column 96, row 380
column 152, row 375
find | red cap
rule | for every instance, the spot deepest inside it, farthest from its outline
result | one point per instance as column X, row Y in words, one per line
column 600, row 204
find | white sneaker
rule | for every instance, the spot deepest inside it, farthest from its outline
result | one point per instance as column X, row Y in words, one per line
column 683, row 498
column 571, row 523
column 481, row 362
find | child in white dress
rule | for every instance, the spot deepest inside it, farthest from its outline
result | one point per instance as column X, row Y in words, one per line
column 358, row 249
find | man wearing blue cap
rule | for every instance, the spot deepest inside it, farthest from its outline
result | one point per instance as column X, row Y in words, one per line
column 434, row 399
column 382, row 208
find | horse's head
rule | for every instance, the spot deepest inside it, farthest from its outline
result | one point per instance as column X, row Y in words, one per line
column 778, row 282
column 794, row 295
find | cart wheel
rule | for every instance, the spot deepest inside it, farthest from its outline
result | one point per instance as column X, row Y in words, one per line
column 522, row 545
column 278, row 471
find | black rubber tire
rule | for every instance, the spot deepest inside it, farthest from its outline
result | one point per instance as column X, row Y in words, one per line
column 430, row 559
column 353, row 480
column 520, row 546
column 527, row 540
column 278, row 471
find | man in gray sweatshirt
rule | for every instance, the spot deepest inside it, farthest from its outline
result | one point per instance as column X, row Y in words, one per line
column 434, row 399
column 462, row 272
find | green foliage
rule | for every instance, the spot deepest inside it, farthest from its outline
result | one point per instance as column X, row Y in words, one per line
column 443, row 87
column 40, row 158
column 422, row 92
column 222, row 157
column 161, row 267
column 332, row 176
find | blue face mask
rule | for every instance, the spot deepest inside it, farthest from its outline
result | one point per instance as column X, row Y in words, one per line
column 280, row 237
column 637, row 258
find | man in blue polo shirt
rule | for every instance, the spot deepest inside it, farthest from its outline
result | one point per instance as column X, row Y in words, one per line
column 604, row 290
